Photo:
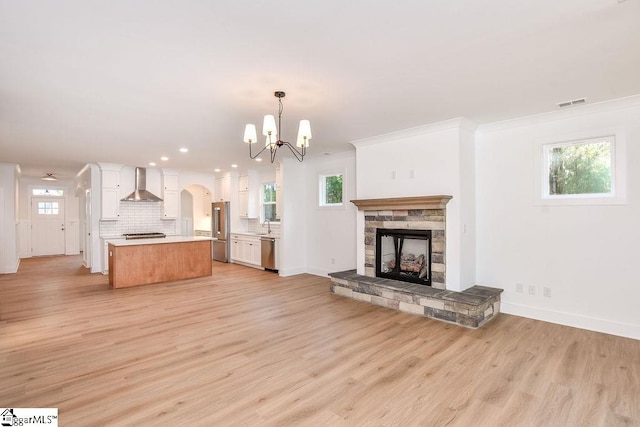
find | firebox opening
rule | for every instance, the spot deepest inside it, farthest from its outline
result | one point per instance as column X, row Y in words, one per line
column 404, row 255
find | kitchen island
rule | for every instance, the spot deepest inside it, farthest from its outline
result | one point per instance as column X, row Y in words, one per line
column 145, row 261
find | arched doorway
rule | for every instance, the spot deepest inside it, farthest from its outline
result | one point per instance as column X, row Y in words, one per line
column 196, row 210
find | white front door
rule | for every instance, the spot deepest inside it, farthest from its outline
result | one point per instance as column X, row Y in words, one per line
column 47, row 226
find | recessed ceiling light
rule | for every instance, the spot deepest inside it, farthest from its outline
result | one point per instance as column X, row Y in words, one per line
column 164, row 158
column 184, row 150
column 152, row 163
column 259, row 159
column 234, row 165
column 216, row 170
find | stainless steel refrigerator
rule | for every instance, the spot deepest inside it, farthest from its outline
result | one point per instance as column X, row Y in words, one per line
column 220, row 227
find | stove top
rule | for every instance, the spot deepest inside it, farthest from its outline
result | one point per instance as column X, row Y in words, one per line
column 129, row 236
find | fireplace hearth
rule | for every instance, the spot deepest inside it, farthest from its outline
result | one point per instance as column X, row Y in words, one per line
column 402, row 235
column 404, row 255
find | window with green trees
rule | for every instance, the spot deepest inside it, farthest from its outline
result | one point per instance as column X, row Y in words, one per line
column 579, row 167
column 269, row 201
column 331, row 190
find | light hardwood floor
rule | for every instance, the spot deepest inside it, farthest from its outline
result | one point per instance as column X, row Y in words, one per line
column 245, row 347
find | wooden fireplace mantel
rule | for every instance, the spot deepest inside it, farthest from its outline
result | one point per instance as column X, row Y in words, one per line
column 402, row 203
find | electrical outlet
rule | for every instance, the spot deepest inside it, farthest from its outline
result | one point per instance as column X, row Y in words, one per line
column 547, row 292
column 519, row 288
column 532, row 290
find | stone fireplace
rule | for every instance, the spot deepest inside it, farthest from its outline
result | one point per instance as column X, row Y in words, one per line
column 412, row 278
column 410, row 214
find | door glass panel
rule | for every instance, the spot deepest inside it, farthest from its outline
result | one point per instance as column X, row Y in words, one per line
column 48, row 208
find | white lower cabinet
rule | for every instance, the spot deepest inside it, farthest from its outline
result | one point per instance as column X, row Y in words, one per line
column 245, row 249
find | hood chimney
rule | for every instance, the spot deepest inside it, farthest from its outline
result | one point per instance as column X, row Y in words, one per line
column 141, row 194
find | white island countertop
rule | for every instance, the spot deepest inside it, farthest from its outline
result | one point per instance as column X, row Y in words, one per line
column 157, row 241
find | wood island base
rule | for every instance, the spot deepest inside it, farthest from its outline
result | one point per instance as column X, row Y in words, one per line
column 133, row 265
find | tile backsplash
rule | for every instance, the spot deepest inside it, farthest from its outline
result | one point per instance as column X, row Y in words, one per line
column 138, row 217
column 255, row 226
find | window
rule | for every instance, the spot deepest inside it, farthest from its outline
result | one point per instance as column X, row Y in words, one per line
column 269, row 201
column 48, row 208
column 331, row 190
column 47, row 192
column 582, row 168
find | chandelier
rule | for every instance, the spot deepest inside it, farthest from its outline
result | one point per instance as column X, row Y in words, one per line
column 273, row 141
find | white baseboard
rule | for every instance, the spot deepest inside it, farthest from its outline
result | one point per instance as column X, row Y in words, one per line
column 291, row 271
column 10, row 269
column 318, row 271
column 627, row 330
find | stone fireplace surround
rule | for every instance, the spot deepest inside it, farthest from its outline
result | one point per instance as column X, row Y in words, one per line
column 410, row 213
column 470, row 308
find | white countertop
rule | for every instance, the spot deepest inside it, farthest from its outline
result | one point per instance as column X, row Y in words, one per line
column 246, row 233
column 168, row 239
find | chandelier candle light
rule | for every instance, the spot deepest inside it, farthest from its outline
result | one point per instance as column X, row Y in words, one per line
column 270, row 131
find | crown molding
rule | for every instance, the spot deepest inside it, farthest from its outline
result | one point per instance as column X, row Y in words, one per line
column 459, row 123
column 568, row 113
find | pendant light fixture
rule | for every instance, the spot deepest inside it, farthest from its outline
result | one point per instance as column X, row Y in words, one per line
column 273, row 141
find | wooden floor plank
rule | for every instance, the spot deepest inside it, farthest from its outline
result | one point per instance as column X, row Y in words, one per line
column 246, row 347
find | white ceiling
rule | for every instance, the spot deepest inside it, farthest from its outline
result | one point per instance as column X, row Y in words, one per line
column 130, row 81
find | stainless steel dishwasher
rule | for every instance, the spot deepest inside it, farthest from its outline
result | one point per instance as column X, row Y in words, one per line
column 268, row 253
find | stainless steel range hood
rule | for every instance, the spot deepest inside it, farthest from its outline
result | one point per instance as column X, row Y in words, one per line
column 141, row 194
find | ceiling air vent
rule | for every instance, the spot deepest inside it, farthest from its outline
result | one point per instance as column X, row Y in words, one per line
column 572, row 102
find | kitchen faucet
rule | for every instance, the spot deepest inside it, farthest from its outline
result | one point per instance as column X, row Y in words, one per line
column 268, row 225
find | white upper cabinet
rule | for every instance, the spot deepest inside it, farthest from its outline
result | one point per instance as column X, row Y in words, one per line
column 110, row 189
column 222, row 189
column 248, row 194
column 170, row 194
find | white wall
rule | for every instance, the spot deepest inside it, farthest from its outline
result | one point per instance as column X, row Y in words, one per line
column 293, row 228
column 3, row 237
column 8, row 248
column 584, row 254
column 467, row 228
column 330, row 231
column 429, row 160
column 96, row 212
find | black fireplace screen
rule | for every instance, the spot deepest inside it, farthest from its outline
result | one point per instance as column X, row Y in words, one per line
column 404, row 255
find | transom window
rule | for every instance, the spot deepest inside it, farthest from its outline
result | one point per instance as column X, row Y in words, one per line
column 47, row 192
